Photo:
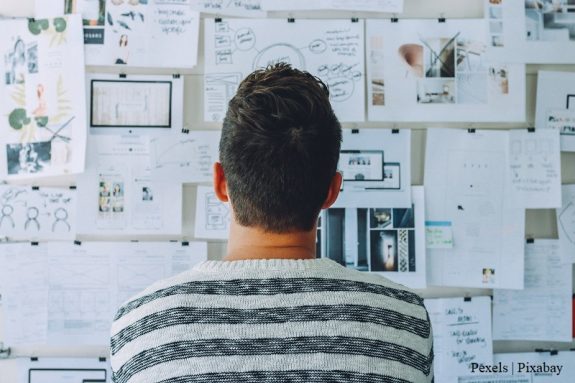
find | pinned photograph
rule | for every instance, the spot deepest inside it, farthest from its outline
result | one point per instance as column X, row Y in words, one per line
column 436, row 91
column 28, row 158
column 384, row 250
column 439, row 56
column 550, row 20
column 499, row 80
column 361, row 165
column 379, row 218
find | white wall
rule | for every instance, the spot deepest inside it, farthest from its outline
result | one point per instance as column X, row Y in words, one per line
column 540, row 223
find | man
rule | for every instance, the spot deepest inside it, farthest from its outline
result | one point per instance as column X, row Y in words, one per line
column 270, row 311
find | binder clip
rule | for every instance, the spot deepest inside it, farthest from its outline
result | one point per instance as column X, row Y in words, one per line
column 4, row 352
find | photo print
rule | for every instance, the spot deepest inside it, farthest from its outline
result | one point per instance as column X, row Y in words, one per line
column 390, row 241
column 550, row 20
column 436, row 71
column 30, row 158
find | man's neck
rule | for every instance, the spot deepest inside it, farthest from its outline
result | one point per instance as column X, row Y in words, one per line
column 252, row 243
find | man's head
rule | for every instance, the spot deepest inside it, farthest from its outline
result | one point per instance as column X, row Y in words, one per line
column 279, row 151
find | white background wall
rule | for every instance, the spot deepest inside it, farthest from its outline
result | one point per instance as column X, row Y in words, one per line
column 539, row 224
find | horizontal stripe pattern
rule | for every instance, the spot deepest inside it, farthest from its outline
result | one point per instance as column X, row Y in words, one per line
column 187, row 315
column 272, row 346
column 295, row 329
column 261, row 301
column 272, row 286
column 303, row 376
column 315, row 324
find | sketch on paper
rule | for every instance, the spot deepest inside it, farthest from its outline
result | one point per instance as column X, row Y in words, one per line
column 67, row 293
column 239, row 8
column 556, row 105
column 375, row 167
column 535, row 165
column 119, row 196
column 139, row 104
column 42, row 131
column 332, row 50
column 212, row 216
column 37, row 213
column 187, row 157
column 130, row 103
column 468, row 188
column 384, row 240
column 438, row 71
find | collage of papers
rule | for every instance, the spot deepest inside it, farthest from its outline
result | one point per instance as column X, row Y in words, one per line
column 98, row 159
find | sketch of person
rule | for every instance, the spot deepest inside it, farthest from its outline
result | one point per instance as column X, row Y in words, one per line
column 41, row 109
column 123, row 52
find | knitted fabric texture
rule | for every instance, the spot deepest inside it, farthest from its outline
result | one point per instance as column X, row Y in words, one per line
column 273, row 321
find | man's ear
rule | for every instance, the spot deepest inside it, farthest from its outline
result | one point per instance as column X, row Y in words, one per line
column 220, row 184
column 333, row 191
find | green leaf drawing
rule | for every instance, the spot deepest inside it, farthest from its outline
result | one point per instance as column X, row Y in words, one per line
column 18, row 118
column 64, row 103
column 19, row 95
column 37, row 26
column 60, row 24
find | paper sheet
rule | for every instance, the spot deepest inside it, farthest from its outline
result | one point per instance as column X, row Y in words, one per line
column 461, row 335
column 42, row 131
column 556, row 105
column 117, row 195
column 61, row 370
column 23, row 8
column 531, row 31
column 212, row 216
column 28, row 213
column 152, row 33
column 535, row 165
column 466, row 183
column 185, row 157
column 333, row 50
column 391, row 6
column 60, row 293
column 566, row 224
column 423, row 70
column 138, row 104
column 238, row 8
column 389, row 241
column 542, row 311
column 376, row 167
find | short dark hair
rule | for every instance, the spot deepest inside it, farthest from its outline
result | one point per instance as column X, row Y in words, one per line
column 279, row 149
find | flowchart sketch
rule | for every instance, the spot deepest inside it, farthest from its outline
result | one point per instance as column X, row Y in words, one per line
column 333, row 50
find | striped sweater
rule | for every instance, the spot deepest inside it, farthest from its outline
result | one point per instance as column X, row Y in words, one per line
column 267, row 321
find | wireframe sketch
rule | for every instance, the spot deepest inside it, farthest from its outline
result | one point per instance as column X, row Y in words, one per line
column 36, row 214
column 375, row 166
column 212, row 216
column 332, row 50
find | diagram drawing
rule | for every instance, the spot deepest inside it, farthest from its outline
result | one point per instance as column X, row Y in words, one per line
column 334, row 52
column 217, row 213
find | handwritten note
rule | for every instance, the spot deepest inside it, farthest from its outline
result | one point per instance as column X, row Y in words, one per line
column 438, row 235
column 461, row 335
column 535, row 168
column 239, row 8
